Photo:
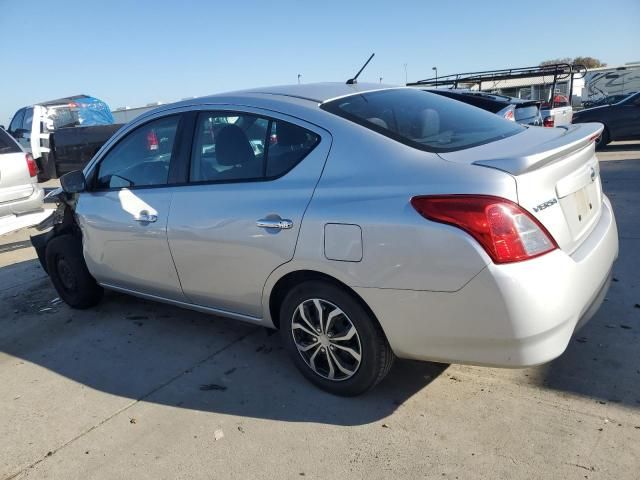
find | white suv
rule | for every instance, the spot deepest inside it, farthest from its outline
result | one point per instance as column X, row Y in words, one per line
column 19, row 189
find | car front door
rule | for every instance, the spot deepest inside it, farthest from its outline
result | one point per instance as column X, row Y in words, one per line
column 625, row 119
column 123, row 215
column 250, row 180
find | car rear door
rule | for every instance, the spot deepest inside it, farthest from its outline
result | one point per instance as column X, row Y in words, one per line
column 123, row 215
column 250, row 179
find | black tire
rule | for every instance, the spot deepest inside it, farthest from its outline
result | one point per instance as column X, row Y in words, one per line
column 376, row 357
column 47, row 167
column 68, row 272
column 604, row 139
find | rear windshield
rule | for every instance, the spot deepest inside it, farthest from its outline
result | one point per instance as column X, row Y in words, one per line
column 83, row 111
column 7, row 145
column 423, row 120
column 523, row 113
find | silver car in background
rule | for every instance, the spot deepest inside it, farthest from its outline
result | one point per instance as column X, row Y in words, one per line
column 364, row 222
column 19, row 189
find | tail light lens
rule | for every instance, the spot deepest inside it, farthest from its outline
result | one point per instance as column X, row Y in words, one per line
column 548, row 122
column 506, row 232
column 31, row 165
column 152, row 140
column 510, row 116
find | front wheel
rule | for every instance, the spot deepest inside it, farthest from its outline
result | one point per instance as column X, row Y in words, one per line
column 69, row 273
column 333, row 339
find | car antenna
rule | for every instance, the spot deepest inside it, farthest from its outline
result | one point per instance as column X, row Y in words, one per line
column 354, row 80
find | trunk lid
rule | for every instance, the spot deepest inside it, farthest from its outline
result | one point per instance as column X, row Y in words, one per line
column 557, row 176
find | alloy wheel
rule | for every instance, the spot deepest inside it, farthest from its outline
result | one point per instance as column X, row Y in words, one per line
column 326, row 339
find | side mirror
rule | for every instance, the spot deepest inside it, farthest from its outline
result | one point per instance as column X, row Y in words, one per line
column 73, row 182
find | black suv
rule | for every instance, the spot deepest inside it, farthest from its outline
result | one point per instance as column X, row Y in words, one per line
column 526, row 112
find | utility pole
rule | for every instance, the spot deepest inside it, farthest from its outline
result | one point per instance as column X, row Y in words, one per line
column 435, row 69
column 299, row 75
column 406, row 77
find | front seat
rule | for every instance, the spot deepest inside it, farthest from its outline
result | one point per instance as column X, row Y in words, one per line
column 234, row 150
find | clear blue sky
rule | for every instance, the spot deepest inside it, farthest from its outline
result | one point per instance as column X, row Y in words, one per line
column 135, row 52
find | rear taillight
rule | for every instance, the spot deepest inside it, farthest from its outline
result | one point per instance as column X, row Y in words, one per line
column 31, row 165
column 152, row 140
column 506, row 232
column 548, row 122
column 510, row 116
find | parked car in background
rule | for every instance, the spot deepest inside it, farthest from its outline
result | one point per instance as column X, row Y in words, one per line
column 557, row 113
column 19, row 189
column 378, row 222
column 63, row 134
column 621, row 120
column 526, row 112
column 608, row 100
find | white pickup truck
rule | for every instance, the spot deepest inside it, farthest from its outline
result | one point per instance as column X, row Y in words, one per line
column 556, row 112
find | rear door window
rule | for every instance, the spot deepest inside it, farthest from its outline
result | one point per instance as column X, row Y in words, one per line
column 235, row 147
column 28, row 119
column 422, row 119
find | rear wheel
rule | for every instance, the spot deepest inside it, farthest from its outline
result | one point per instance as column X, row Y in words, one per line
column 604, row 139
column 69, row 274
column 333, row 339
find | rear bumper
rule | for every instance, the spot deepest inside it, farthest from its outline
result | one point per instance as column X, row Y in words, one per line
column 512, row 315
column 21, row 206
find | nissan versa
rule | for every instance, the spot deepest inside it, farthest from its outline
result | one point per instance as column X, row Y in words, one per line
column 364, row 222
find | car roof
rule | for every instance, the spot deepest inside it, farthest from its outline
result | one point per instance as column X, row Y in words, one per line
column 312, row 92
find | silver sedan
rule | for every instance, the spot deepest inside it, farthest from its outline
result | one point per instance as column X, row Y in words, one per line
column 364, row 222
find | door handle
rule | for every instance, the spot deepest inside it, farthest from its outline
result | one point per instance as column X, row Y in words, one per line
column 145, row 217
column 280, row 223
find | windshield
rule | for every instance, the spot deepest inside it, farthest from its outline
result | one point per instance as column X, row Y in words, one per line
column 423, row 120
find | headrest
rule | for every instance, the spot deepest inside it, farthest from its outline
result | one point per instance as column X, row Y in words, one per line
column 232, row 146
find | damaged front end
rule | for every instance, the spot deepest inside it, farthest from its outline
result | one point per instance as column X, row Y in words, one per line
column 61, row 222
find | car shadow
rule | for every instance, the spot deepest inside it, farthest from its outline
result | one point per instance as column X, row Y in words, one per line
column 147, row 351
column 602, row 360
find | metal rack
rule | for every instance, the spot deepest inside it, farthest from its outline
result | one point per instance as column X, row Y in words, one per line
column 555, row 72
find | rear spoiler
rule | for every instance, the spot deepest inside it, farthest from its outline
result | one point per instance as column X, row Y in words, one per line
column 575, row 137
column 528, row 104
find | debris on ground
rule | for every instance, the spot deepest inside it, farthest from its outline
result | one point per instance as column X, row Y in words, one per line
column 384, row 425
column 55, row 301
column 218, row 434
column 581, row 339
column 132, row 420
column 212, row 386
column 241, row 430
column 45, row 309
column 626, row 327
column 230, row 371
